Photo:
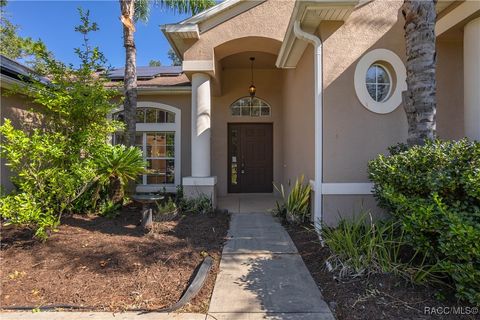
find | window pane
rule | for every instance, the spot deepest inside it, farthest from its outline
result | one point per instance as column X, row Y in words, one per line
column 161, row 116
column 255, row 111
column 382, row 92
column 382, row 75
column 155, row 179
column 170, row 138
column 140, row 115
column 170, row 117
column 371, row 74
column 235, row 111
column 245, row 111
column 151, row 116
column 170, row 152
column 265, row 111
column 119, row 138
column 372, row 91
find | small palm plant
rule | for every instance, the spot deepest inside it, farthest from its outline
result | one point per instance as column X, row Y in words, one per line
column 296, row 206
column 117, row 167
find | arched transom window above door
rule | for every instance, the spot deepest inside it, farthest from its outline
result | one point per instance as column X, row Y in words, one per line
column 250, row 107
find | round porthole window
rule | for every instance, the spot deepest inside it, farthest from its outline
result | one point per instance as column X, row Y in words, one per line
column 380, row 78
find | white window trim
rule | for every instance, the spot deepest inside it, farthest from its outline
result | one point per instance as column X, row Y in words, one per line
column 381, row 57
column 171, row 127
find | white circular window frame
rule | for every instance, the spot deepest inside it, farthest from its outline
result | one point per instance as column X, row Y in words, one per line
column 398, row 77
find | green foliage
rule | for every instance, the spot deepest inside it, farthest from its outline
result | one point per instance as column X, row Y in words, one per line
column 12, row 45
column 124, row 163
column 54, row 166
column 201, row 204
column 167, row 206
column 155, row 63
column 434, row 191
column 295, row 206
column 361, row 247
column 174, row 58
column 109, row 209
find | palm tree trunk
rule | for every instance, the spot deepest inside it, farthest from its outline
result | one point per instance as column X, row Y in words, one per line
column 130, row 80
column 116, row 192
column 420, row 98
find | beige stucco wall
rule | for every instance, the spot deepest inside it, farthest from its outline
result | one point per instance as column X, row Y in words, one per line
column 299, row 124
column 235, row 83
column 450, row 86
column 17, row 109
column 269, row 19
column 182, row 102
column 352, row 134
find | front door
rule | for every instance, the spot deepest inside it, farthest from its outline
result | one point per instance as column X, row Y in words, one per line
column 250, row 157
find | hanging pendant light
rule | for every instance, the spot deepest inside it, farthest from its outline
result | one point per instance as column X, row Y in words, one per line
column 252, row 90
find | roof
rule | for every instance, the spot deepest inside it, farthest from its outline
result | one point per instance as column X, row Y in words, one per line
column 14, row 72
column 152, row 77
column 146, row 73
column 13, row 69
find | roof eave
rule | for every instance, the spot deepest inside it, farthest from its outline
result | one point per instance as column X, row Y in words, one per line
column 322, row 10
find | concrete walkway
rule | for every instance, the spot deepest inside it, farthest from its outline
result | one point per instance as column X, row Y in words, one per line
column 262, row 276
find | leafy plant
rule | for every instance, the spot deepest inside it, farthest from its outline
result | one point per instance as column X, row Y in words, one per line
column 296, row 206
column 109, row 209
column 434, row 192
column 53, row 165
column 361, row 247
column 201, row 205
column 167, row 206
column 118, row 165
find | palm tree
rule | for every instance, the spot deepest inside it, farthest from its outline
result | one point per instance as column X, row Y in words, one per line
column 131, row 12
column 420, row 98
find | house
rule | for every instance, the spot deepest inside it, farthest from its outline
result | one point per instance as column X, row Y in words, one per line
column 17, row 108
column 271, row 90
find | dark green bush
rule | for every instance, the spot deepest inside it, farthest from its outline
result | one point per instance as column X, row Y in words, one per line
column 434, row 190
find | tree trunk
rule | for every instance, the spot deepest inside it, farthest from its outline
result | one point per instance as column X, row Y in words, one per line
column 420, row 98
column 115, row 192
column 130, row 79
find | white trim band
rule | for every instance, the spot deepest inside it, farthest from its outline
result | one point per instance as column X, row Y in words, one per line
column 346, row 188
column 197, row 181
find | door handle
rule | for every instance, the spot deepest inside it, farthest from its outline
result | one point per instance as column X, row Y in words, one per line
column 243, row 168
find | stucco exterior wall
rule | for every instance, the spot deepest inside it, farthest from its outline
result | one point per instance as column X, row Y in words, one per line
column 299, row 123
column 269, row 20
column 352, row 134
column 235, row 83
column 182, row 102
column 450, row 122
column 23, row 115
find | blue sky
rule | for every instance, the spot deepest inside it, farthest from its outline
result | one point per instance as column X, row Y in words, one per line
column 54, row 22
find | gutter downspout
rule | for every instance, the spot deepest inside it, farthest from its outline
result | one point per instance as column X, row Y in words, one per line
column 317, row 44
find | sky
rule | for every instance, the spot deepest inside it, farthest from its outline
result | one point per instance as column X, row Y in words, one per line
column 54, row 22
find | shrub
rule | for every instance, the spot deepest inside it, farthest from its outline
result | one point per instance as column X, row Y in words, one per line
column 434, row 191
column 118, row 165
column 296, row 206
column 53, row 166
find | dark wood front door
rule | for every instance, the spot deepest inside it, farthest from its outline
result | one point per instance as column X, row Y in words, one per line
column 250, row 157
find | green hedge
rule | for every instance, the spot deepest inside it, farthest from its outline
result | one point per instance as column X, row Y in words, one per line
column 434, row 190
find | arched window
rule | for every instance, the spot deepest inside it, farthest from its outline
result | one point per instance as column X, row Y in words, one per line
column 158, row 136
column 250, row 107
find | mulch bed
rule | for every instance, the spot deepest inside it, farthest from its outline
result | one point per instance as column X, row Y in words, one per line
column 376, row 297
column 111, row 264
